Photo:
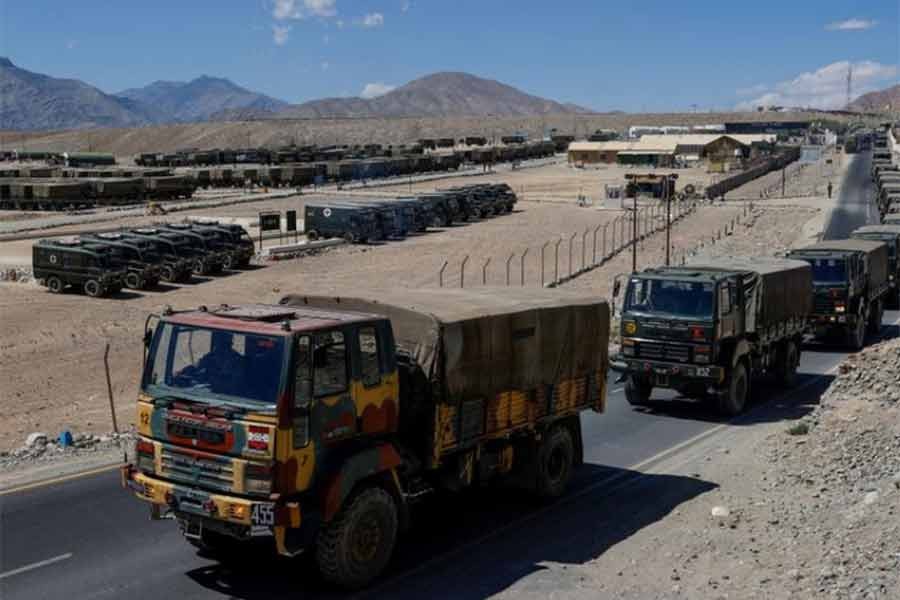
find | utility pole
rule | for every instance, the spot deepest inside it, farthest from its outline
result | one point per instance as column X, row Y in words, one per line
column 634, row 230
column 668, row 197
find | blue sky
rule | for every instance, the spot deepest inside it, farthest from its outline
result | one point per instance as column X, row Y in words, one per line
column 638, row 56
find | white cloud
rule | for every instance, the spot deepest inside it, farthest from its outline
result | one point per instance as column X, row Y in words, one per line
column 292, row 9
column 373, row 90
column 825, row 87
column 372, row 20
column 852, row 25
column 280, row 34
column 405, row 6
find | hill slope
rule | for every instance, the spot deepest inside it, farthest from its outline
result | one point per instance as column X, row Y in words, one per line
column 445, row 94
column 878, row 101
column 34, row 101
column 199, row 99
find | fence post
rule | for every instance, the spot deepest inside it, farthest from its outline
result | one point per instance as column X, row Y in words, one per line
column 583, row 248
column 571, row 244
column 522, row 267
column 509, row 260
column 596, row 230
column 112, row 404
column 543, row 249
column 441, row 274
column 462, row 271
column 484, row 271
column 556, row 261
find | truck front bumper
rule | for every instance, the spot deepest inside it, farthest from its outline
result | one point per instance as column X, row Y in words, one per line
column 241, row 517
column 668, row 374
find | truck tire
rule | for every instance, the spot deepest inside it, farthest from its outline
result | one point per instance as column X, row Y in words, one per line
column 788, row 361
column 856, row 337
column 133, row 281
column 637, row 391
column 437, row 222
column 200, row 267
column 312, row 235
column 228, row 262
column 93, row 288
column 167, row 273
column 55, row 285
column 554, row 463
column 876, row 314
column 355, row 546
column 734, row 400
column 348, row 237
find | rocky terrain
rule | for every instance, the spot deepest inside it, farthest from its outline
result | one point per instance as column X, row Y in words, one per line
column 878, row 101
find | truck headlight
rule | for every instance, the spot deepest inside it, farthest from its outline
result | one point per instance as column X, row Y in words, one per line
column 840, row 308
column 145, row 452
column 701, row 355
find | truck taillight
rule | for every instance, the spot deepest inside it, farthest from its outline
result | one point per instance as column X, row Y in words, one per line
column 144, row 452
column 697, row 333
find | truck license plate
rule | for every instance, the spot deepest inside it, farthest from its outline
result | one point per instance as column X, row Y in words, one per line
column 263, row 514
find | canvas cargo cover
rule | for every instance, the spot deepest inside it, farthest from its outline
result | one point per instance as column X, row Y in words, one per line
column 478, row 343
column 877, row 253
column 787, row 290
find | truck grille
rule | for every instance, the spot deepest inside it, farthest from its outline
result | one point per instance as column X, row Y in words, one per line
column 658, row 351
column 215, row 472
column 823, row 305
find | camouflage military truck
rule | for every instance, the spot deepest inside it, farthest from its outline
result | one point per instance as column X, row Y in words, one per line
column 208, row 252
column 321, row 421
column 708, row 329
column 890, row 235
column 142, row 265
column 850, row 281
column 176, row 256
column 58, row 264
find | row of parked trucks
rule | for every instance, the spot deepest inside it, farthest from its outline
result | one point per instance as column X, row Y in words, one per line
column 360, row 220
column 62, row 193
column 101, row 264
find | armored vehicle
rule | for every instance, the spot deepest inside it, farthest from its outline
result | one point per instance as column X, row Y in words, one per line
column 61, row 263
column 708, row 329
column 138, row 257
column 319, row 422
column 354, row 223
column 176, row 256
column 890, row 235
column 850, row 279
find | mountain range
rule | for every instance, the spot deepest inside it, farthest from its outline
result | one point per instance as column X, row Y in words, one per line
column 34, row 101
column 878, row 101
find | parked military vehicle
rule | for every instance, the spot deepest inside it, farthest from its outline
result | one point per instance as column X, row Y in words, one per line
column 890, row 235
column 209, row 253
column 850, row 280
column 142, row 264
column 390, row 216
column 177, row 258
column 445, row 207
column 352, row 222
column 58, row 264
column 238, row 248
column 708, row 329
column 321, row 421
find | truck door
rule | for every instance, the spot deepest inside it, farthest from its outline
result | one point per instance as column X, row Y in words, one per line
column 335, row 414
column 375, row 381
column 727, row 325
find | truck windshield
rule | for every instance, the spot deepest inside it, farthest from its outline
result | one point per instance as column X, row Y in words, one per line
column 678, row 298
column 214, row 365
column 828, row 270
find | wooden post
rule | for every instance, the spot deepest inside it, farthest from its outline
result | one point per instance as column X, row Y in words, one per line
column 112, row 404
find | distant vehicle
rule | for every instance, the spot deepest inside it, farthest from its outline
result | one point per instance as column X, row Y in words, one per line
column 850, row 280
column 708, row 329
column 175, row 256
column 137, row 257
column 58, row 264
column 890, row 235
column 212, row 254
column 354, row 223
column 239, row 248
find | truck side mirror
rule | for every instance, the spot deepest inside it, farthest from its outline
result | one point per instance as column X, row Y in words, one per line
column 617, row 287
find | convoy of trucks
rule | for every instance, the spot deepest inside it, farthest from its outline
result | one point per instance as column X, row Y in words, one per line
column 322, row 420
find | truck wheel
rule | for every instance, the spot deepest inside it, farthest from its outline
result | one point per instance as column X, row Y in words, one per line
column 167, row 273
column 199, row 268
column 857, row 336
column 348, row 237
column 637, row 391
column 437, row 222
column 788, row 363
column 133, row 281
column 735, row 398
column 228, row 262
column 876, row 313
column 354, row 548
column 555, row 458
column 92, row 288
column 55, row 285
column 312, row 235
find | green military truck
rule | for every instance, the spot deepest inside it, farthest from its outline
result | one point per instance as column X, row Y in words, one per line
column 142, row 264
column 890, row 235
column 850, row 280
column 707, row 329
column 58, row 264
column 320, row 421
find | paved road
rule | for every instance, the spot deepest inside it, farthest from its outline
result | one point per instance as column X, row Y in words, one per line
column 855, row 206
column 87, row 538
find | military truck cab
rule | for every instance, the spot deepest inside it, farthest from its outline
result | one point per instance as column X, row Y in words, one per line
column 890, row 235
column 178, row 258
column 706, row 330
column 209, row 253
column 91, row 268
column 354, row 223
column 138, row 257
column 850, row 280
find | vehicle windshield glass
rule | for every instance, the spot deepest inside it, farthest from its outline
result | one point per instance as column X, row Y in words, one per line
column 678, row 298
column 828, row 270
column 206, row 364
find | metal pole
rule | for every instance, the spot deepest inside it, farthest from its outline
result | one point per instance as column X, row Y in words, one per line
column 543, row 248
column 112, row 404
column 484, row 271
column 634, row 234
column 441, row 274
column 556, row 261
column 462, row 271
column 522, row 267
column 596, row 230
column 583, row 247
column 605, row 226
column 571, row 243
column 668, row 224
column 509, row 260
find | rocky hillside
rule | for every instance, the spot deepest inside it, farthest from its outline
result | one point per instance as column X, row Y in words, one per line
column 35, row 101
column 436, row 95
column 199, row 99
column 879, row 101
